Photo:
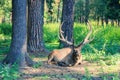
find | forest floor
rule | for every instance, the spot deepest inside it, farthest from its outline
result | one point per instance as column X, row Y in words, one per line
column 85, row 71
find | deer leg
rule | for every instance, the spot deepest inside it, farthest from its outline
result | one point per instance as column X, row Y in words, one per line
column 50, row 59
column 75, row 64
column 63, row 64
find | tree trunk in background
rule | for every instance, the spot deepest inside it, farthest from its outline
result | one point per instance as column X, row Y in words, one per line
column 106, row 21
column 42, row 7
column 87, row 10
column 35, row 26
column 102, row 21
column 17, row 53
column 98, row 20
column 58, row 11
column 3, row 19
column 118, row 22
column 112, row 22
column 67, row 19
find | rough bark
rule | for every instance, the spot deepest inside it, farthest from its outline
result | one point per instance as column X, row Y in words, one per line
column 67, row 20
column 17, row 52
column 35, row 26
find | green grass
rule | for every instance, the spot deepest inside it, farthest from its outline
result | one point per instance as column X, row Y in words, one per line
column 6, row 29
column 8, row 72
column 105, row 48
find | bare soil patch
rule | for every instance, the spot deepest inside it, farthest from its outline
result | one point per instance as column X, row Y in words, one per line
column 53, row 72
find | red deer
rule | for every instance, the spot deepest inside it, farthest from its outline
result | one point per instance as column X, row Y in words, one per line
column 69, row 56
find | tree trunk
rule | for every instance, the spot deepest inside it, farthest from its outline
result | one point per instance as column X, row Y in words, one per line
column 17, row 53
column 102, row 21
column 58, row 11
column 87, row 10
column 35, row 26
column 98, row 19
column 112, row 22
column 106, row 21
column 118, row 23
column 67, row 19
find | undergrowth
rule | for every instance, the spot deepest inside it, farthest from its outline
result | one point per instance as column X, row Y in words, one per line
column 8, row 72
column 104, row 49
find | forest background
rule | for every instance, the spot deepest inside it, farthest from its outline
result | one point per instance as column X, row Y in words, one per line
column 104, row 15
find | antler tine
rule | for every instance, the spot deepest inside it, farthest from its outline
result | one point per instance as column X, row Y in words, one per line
column 61, row 37
column 86, row 40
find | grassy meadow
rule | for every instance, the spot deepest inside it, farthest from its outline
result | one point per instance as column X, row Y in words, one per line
column 103, row 50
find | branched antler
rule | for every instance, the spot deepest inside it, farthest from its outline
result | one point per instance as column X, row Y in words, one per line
column 86, row 39
column 61, row 37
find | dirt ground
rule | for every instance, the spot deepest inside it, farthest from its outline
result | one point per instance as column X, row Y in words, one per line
column 85, row 71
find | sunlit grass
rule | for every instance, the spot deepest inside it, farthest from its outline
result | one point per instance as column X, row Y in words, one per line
column 51, row 33
column 103, row 50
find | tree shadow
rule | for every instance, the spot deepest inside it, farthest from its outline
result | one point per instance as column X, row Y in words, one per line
column 80, row 72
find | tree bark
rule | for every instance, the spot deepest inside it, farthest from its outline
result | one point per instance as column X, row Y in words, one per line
column 67, row 19
column 58, row 11
column 35, row 26
column 17, row 53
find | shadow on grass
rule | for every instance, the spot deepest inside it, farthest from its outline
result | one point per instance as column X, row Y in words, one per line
column 53, row 72
column 69, row 76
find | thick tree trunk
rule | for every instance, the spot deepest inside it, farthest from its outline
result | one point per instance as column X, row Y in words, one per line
column 35, row 26
column 17, row 52
column 67, row 19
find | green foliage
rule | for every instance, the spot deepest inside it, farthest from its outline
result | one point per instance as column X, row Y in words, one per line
column 104, row 49
column 38, row 64
column 44, row 77
column 107, row 39
column 8, row 72
column 87, row 74
column 53, row 10
column 5, row 10
column 5, row 29
column 102, row 59
column 4, row 44
column 113, row 8
column 5, row 32
column 51, row 33
column 110, row 76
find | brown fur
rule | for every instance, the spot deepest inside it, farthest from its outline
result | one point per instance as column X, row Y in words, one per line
column 66, row 55
column 77, row 58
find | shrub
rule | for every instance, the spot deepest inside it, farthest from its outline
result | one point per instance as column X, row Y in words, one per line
column 5, row 29
column 8, row 72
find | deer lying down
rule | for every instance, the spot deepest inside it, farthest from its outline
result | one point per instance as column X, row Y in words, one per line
column 65, row 57
column 69, row 56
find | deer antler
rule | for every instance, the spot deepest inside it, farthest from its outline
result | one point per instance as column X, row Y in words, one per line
column 61, row 37
column 86, row 39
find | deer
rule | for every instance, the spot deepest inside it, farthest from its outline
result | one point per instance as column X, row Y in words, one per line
column 69, row 56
